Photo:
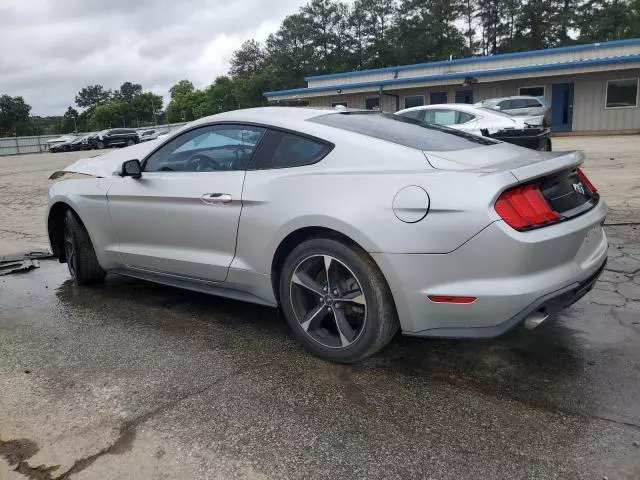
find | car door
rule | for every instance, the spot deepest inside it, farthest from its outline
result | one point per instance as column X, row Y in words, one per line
column 181, row 216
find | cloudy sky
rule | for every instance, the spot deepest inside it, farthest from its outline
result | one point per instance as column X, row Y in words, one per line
column 50, row 49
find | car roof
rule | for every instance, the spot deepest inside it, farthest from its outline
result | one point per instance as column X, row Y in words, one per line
column 277, row 116
column 463, row 107
column 513, row 97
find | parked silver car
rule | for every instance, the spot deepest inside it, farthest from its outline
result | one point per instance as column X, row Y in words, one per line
column 151, row 133
column 355, row 223
column 521, row 105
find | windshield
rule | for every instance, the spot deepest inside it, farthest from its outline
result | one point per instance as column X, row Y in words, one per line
column 403, row 131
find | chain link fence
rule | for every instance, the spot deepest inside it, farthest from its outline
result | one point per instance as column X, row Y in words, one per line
column 39, row 143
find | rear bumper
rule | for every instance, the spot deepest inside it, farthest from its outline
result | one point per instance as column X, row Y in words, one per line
column 549, row 304
column 512, row 274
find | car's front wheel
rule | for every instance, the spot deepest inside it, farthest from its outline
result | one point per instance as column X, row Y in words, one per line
column 100, row 145
column 78, row 250
column 336, row 300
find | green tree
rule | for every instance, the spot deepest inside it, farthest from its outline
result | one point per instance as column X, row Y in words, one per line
column 127, row 91
column 107, row 115
column 426, row 30
column 469, row 12
column 378, row 26
column 14, row 116
column 69, row 121
column 248, row 59
column 146, row 107
column 603, row 20
column 91, row 96
column 290, row 52
column 220, row 96
column 183, row 87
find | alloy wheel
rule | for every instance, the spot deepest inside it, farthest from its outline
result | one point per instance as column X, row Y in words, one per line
column 328, row 301
column 70, row 251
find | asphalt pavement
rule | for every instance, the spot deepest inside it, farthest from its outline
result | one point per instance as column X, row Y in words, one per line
column 134, row 380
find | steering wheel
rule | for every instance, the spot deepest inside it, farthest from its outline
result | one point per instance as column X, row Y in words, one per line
column 202, row 163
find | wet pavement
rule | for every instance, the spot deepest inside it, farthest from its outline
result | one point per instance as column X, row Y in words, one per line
column 134, row 380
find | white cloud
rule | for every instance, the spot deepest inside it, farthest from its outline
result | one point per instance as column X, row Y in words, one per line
column 51, row 49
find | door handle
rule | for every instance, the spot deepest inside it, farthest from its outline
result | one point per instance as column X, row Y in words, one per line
column 216, row 198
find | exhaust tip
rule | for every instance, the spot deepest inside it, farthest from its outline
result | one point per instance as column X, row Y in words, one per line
column 535, row 319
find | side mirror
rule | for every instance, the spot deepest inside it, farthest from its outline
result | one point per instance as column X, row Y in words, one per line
column 132, row 168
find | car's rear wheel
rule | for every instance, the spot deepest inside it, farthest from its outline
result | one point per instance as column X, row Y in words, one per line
column 336, row 301
column 78, row 250
column 100, row 145
column 130, row 142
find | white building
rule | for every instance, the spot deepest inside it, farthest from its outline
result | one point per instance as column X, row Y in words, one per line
column 591, row 88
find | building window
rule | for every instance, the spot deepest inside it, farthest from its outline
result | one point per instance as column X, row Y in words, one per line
column 438, row 97
column 413, row 101
column 622, row 93
column 372, row 103
column 342, row 104
column 531, row 91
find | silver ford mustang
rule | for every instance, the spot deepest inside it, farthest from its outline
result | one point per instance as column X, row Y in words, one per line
column 356, row 224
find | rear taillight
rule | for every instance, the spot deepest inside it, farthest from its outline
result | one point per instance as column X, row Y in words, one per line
column 586, row 181
column 524, row 208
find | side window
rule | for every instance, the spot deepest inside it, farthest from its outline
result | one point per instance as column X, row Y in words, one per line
column 286, row 150
column 207, row 149
column 463, row 117
column 520, row 103
column 415, row 114
column 506, row 105
column 441, row 117
column 532, row 103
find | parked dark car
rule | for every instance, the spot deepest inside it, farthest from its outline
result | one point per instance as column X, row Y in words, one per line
column 81, row 143
column 534, row 138
column 64, row 146
column 114, row 137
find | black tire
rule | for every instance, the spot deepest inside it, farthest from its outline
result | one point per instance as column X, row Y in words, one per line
column 548, row 144
column 130, row 142
column 100, row 145
column 380, row 322
column 81, row 257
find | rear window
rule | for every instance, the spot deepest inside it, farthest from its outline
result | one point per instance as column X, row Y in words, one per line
column 403, row 131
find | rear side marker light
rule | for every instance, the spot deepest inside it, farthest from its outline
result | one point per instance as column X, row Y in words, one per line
column 585, row 180
column 450, row 299
column 524, row 208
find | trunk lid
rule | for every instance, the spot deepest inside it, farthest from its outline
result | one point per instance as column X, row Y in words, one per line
column 554, row 174
column 523, row 163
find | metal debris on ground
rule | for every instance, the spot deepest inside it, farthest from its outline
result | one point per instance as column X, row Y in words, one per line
column 15, row 266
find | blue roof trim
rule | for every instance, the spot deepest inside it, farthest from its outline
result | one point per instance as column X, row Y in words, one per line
column 458, row 61
column 448, row 76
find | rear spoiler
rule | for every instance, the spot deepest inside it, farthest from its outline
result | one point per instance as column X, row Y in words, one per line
column 555, row 162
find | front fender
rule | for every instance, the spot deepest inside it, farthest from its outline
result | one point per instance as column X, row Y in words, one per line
column 88, row 199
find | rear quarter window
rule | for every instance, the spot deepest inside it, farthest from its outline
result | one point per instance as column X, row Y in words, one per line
column 403, row 131
column 280, row 149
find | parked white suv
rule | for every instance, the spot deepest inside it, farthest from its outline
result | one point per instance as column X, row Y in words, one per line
column 520, row 106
